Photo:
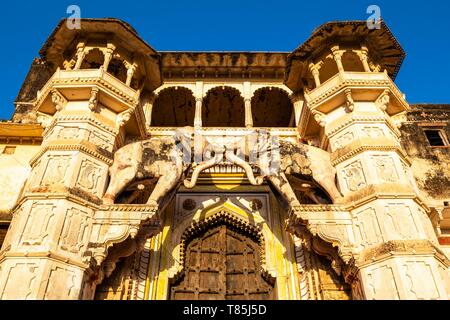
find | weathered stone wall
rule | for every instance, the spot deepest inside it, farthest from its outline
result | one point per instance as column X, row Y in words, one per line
column 38, row 75
column 431, row 165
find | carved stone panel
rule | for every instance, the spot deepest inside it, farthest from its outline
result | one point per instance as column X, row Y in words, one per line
column 56, row 169
column 75, row 231
column 385, row 168
column 354, row 176
column 62, row 284
column 399, row 222
column 367, row 227
column 39, row 223
column 381, row 284
column 419, row 280
column 373, row 132
column 89, row 177
column 343, row 140
column 20, row 281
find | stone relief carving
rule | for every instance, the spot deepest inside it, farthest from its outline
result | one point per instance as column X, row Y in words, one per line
column 373, row 132
column 354, row 176
column 154, row 158
column 89, row 176
column 385, row 168
column 343, row 140
column 56, row 169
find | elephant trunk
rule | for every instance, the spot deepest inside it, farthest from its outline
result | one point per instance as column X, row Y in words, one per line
column 247, row 168
column 201, row 167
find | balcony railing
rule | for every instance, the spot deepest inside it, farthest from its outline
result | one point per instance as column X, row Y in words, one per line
column 349, row 78
column 88, row 74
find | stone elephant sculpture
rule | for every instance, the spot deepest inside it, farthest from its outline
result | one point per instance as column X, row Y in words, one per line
column 155, row 158
column 295, row 159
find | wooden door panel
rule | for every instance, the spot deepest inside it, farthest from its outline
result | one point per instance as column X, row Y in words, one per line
column 222, row 264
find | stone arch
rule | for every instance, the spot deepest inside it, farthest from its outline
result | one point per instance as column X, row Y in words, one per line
column 227, row 223
column 351, row 62
column 328, row 69
column 271, row 107
column 93, row 59
column 174, row 107
column 117, row 68
column 223, row 107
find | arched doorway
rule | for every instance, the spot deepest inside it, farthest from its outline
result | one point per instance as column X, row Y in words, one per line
column 222, row 262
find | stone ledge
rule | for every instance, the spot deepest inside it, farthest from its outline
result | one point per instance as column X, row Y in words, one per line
column 400, row 248
column 367, row 144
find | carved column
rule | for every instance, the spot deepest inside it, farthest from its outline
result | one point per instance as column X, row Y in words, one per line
column 314, row 69
column 198, row 104
column 298, row 103
column 363, row 56
column 248, row 104
column 54, row 236
column 79, row 55
column 337, row 55
column 147, row 106
column 108, row 56
column 131, row 69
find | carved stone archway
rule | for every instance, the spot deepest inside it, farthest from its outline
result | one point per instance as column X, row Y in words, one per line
column 222, row 258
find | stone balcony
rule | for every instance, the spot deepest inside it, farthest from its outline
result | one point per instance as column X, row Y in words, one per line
column 77, row 85
column 365, row 86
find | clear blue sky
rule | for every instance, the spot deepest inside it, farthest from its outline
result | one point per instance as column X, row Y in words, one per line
column 422, row 28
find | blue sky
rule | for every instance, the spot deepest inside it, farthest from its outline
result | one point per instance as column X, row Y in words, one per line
column 423, row 29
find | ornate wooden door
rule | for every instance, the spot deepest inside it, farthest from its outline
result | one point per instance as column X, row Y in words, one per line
column 222, row 264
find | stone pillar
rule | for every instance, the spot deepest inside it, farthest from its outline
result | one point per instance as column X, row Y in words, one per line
column 79, row 55
column 298, row 104
column 108, row 56
column 337, row 55
column 248, row 104
column 45, row 254
column 363, row 56
column 315, row 72
column 394, row 249
column 198, row 104
column 148, row 102
column 131, row 69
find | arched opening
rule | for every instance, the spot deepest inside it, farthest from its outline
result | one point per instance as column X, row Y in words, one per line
column 223, row 107
column 222, row 261
column 93, row 60
column 117, row 69
column 328, row 70
column 351, row 62
column 174, row 107
column 271, row 107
